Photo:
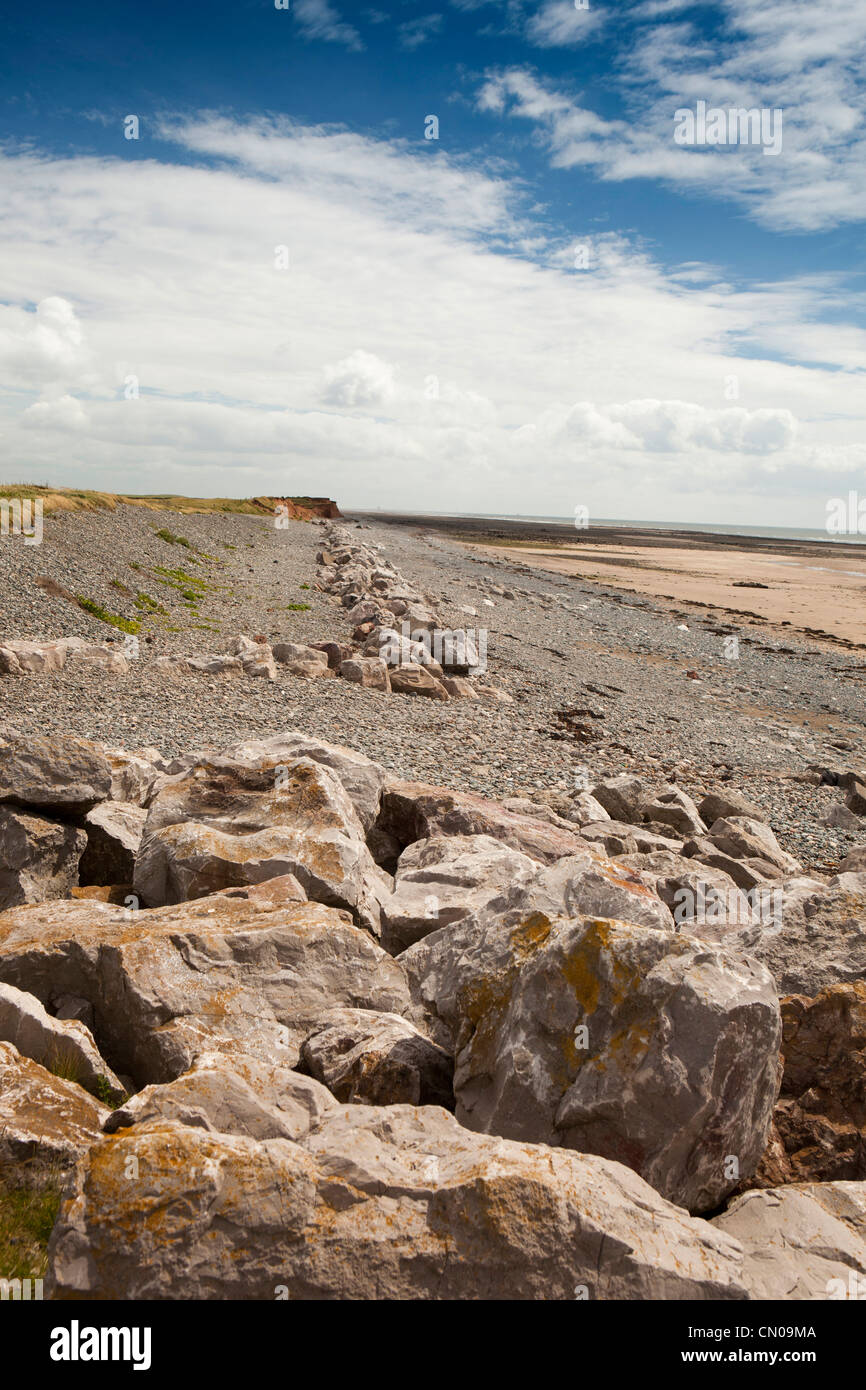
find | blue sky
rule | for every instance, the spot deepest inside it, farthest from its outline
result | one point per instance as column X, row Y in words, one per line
column 553, row 304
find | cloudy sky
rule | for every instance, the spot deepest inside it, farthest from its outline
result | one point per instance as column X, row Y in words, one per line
column 285, row 285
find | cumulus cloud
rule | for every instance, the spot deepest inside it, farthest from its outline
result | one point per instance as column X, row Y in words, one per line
column 400, row 359
column 558, row 23
column 361, row 379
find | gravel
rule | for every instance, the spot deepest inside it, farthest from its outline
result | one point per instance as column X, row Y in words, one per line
column 599, row 677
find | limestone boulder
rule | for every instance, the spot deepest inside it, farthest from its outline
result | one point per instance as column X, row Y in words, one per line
column 362, row 778
column 802, row 1242
column 368, row 671
column 675, row 808
column 819, row 938
column 623, row 798
column 377, row 1059
column 724, row 802
column 235, row 1094
column 114, row 830
column 228, row 823
column 61, row 773
column 443, row 879
column 392, row 1203
column 46, row 1123
column 744, row 838
column 133, row 775
column 220, row 974
column 413, row 679
column 652, row 1048
column 38, row 858
column 414, row 811
column 62, row 1045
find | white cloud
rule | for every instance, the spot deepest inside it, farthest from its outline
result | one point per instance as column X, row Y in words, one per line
column 401, row 360
column 320, row 20
column 360, row 379
column 416, row 32
column 802, row 59
column 557, row 23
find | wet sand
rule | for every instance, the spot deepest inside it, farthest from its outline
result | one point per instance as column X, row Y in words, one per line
column 813, row 588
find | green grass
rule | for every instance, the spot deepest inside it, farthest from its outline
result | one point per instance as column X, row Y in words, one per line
column 166, row 535
column 149, row 604
column 27, row 1217
column 96, row 610
column 304, row 586
column 298, row 607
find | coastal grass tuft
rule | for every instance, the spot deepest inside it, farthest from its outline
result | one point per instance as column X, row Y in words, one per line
column 96, row 610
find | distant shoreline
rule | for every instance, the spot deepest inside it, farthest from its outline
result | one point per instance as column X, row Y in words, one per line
column 528, row 531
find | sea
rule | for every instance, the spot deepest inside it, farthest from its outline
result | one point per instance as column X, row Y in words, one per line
column 787, row 533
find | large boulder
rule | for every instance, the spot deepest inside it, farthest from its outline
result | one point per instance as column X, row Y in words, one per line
column 65, row 1046
column 414, row 811
column 114, row 830
column 224, row 974
column 744, row 838
column 371, row 672
column 396, row 1203
column 235, row 1094
column 228, row 823
column 802, row 1242
column 724, row 802
column 623, row 798
column 133, row 775
column 820, row 1120
column 655, row 1049
column 38, row 858
column 377, row 1059
column 362, row 778
column 46, row 1122
column 443, row 879
column 411, row 678
column 818, row 940
column 61, row 773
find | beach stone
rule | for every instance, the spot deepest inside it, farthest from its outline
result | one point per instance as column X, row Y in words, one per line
column 228, row 823
column 220, row 974
column 444, row 878
column 725, row 802
column 657, row 1050
column 58, row 773
column 388, row 1203
column 361, row 778
column 46, row 1123
column 53, row 1042
column 840, row 817
column 820, row 940
column 114, row 830
column 802, row 1242
column 854, row 861
column 855, row 797
column 623, row 798
column 377, row 1059
column 413, row 679
column 235, row 1094
column 368, row 671
column 416, row 811
column 38, row 858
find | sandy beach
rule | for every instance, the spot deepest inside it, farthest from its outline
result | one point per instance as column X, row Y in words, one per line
column 809, row 587
column 817, row 599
